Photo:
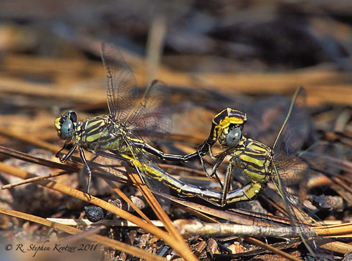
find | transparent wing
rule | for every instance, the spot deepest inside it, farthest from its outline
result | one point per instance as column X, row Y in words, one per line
column 122, row 89
column 295, row 127
column 291, row 138
column 147, row 118
column 300, row 219
column 288, row 141
column 151, row 119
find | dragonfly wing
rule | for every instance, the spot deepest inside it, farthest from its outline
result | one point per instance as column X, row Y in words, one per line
column 296, row 126
column 293, row 133
column 122, row 89
column 151, row 120
column 291, row 138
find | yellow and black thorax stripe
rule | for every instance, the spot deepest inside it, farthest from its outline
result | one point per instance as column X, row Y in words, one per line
column 254, row 158
column 100, row 133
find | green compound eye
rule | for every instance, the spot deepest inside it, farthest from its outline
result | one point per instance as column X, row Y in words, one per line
column 233, row 137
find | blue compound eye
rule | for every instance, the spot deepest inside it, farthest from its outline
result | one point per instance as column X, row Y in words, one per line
column 67, row 129
column 233, row 137
column 72, row 115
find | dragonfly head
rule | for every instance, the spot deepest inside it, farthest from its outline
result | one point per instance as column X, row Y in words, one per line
column 227, row 127
column 65, row 125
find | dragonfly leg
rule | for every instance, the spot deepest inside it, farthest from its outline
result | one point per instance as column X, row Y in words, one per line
column 227, row 181
column 66, row 156
column 247, row 192
column 201, row 151
column 69, row 154
column 211, row 154
column 161, row 155
column 57, row 155
column 220, row 158
column 83, row 157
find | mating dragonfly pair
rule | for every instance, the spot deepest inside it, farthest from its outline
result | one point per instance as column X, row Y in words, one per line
column 120, row 133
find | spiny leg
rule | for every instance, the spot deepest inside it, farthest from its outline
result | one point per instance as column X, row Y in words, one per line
column 163, row 156
column 220, row 157
column 66, row 156
column 244, row 193
column 83, row 157
column 81, row 152
column 201, row 151
column 226, row 185
column 227, row 181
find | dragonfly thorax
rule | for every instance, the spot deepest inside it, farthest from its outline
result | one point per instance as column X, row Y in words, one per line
column 100, row 133
column 254, row 158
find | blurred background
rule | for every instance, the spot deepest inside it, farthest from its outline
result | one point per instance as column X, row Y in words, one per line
column 248, row 55
column 229, row 46
column 210, row 51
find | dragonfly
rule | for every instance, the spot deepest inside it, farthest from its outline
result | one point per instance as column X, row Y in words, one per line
column 131, row 120
column 147, row 167
column 259, row 162
column 119, row 134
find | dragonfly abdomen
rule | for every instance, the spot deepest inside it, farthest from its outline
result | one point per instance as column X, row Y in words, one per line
column 183, row 189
